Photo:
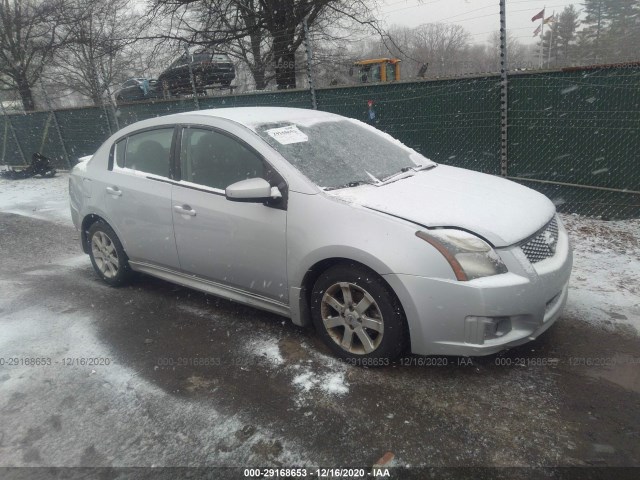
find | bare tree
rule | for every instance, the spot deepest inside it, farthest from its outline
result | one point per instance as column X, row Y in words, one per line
column 432, row 49
column 95, row 57
column 255, row 49
column 442, row 46
column 518, row 55
column 29, row 35
column 265, row 34
column 480, row 58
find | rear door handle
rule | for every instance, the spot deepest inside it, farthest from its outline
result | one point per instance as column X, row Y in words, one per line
column 185, row 210
column 114, row 191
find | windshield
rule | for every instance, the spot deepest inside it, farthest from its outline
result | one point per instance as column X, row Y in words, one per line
column 202, row 57
column 340, row 153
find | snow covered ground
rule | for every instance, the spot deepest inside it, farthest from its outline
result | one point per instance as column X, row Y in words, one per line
column 605, row 284
column 43, row 198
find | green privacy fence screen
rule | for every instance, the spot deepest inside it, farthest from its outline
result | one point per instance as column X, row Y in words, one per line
column 573, row 134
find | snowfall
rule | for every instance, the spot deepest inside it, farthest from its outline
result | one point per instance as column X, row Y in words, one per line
column 604, row 292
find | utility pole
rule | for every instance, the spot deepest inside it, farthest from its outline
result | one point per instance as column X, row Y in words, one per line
column 504, row 86
column 307, row 47
column 193, row 82
column 553, row 19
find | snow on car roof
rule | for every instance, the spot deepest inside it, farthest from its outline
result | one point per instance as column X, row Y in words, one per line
column 253, row 116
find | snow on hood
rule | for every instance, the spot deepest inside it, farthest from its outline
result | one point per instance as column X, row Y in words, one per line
column 499, row 210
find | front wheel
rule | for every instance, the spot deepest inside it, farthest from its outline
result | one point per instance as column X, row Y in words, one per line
column 107, row 255
column 357, row 315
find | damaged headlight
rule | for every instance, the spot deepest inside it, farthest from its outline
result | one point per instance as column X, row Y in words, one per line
column 469, row 256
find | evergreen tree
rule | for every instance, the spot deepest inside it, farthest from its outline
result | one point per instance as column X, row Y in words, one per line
column 612, row 31
column 565, row 33
column 559, row 43
column 623, row 33
column 596, row 21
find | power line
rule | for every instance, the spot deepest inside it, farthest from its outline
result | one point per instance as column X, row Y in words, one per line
column 411, row 6
column 429, row 3
column 443, row 20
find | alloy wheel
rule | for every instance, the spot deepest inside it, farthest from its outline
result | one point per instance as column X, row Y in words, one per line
column 105, row 254
column 352, row 318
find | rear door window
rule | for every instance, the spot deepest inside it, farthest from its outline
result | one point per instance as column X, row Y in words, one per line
column 147, row 152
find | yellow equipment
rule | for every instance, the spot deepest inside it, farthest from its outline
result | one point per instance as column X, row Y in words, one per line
column 379, row 70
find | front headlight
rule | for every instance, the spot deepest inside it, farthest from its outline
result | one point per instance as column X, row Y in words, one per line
column 469, row 256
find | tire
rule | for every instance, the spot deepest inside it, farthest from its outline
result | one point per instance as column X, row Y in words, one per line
column 107, row 255
column 119, row 100
column 369, row 329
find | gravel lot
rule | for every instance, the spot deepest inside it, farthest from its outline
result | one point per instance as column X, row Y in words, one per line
column 180, row 378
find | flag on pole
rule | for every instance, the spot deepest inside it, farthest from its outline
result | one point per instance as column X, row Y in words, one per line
column 549, row 20
column 538, row 16
column 537, row 31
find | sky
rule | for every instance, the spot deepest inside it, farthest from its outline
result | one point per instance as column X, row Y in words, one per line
column 479, row 17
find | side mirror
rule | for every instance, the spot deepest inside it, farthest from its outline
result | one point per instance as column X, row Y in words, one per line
column 252, row 190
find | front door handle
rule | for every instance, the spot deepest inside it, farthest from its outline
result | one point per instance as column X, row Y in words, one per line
column 114, row 191
column 185, row 210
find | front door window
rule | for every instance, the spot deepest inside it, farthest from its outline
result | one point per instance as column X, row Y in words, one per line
column 215, row 160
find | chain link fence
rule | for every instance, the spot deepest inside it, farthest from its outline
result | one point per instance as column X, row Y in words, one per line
column 572, row 134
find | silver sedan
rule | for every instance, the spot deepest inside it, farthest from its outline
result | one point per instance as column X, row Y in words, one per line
column 327, row 221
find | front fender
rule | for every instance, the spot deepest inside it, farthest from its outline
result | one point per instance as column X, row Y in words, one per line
column 320, row 228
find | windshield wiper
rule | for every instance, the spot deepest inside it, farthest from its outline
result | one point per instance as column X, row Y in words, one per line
column 419, row 168
column 353, row 183
column 384, row 181
column 403, row 170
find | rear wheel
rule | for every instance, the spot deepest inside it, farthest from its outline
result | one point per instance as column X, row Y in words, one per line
column 107, row 255
column 358, row 316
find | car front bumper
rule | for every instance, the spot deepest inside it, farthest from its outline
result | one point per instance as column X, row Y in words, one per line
column 486, row 315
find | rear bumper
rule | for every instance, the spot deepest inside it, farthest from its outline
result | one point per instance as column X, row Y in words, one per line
column 487, row 315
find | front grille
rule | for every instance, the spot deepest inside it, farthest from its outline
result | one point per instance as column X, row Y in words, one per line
column 544, row 244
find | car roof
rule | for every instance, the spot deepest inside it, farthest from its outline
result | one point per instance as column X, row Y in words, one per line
column 248, row 117
column 253, row 116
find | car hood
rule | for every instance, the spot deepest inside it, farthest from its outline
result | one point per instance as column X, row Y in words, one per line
column 501, row 211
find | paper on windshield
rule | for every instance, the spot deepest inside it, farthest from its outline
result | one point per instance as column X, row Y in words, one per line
column 287, row 135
